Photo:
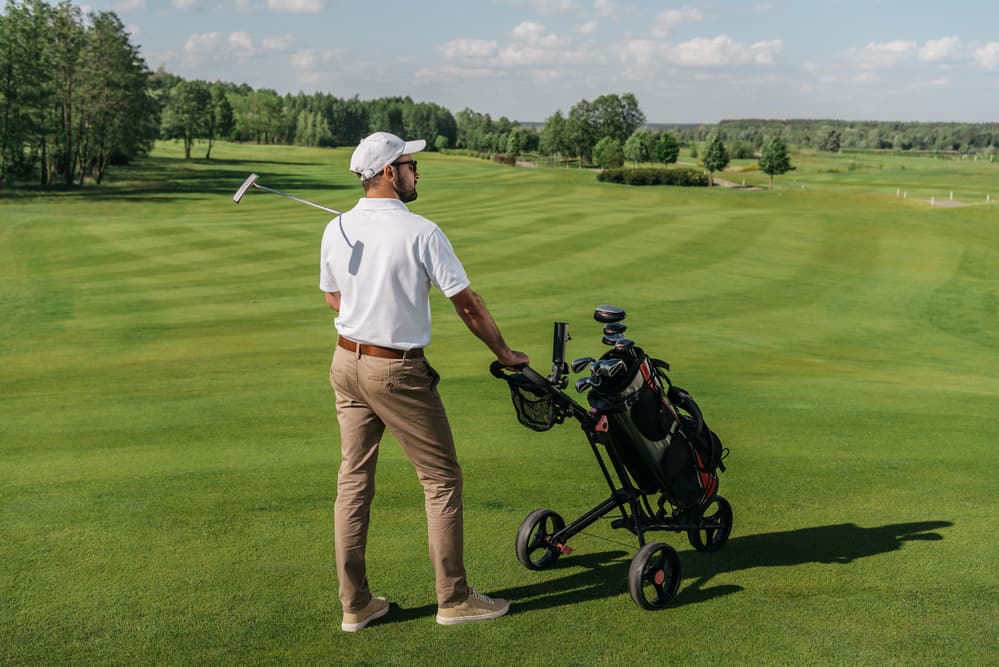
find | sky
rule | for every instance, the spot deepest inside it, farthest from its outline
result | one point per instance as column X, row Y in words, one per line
column 686, row 62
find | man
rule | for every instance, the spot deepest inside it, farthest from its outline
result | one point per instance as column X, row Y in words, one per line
column 378, row 264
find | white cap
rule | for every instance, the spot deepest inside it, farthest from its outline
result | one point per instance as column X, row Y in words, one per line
column 381, row 149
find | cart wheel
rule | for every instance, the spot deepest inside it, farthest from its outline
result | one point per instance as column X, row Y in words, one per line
column 654, row 577
column 534, row 551
column 714, row 525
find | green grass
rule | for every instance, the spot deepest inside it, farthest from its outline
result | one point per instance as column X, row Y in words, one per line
column 169, row 443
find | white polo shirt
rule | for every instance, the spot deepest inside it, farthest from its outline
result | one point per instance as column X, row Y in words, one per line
column 383, row 260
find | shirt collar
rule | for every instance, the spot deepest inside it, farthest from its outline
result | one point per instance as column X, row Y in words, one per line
column 381, row 204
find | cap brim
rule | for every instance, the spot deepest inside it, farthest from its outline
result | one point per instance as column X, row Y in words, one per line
column 414, row 146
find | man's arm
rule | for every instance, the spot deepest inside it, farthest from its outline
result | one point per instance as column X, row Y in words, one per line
column 476, row 316
column 333, row 300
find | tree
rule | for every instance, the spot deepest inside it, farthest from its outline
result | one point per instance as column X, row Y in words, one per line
column 715, row 157
column 832, row 141
column 26, row 90
column 640, row 146
column 667, row 148
column 554, row 136
column 187, row 112
column 774, row 159
column 221, row 121
column 608, row 153
column 582, row 130
column 117, row 116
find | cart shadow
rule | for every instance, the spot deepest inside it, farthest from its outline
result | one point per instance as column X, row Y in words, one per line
column 605, row 574
column 838, row 544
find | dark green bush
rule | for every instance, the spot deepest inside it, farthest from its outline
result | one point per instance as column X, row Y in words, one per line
column 682, row 177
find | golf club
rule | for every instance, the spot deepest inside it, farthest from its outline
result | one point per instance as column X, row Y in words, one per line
column 251, row 181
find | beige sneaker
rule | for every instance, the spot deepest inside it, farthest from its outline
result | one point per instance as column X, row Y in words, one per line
column 352, row 622
column 476, row 607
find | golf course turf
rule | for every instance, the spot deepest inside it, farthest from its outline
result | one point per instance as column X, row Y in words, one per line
column 169, row 442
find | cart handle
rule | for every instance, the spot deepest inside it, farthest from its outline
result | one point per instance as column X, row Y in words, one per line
column 499, row 371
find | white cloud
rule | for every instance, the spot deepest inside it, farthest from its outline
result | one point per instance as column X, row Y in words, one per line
column 241, row 45
column 310, row 59
column 205, row 42
column 667, row 20
column 458, row 49
column 723, row 51
column 936, row 50
column 604, row 8
column 297, row 6
column 130, row 5
column 133, row 30
column 201, row 47
column 279, row 42
column 588, row 28
column 988, row 56
column 534, row 34
column 876, row 55
column 184, row 4
column 245, row 7
column 305, row 59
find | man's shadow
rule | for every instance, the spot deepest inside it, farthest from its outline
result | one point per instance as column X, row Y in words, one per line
column 604, row 574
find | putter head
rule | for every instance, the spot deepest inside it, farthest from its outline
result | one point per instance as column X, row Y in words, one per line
column 247, row 184
column 607, row 314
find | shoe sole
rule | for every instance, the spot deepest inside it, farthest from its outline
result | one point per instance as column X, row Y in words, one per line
column 354, row 627
column 455, row 620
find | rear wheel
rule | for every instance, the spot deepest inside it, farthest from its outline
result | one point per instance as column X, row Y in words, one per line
column 654, row 577
column 714, row 525
column 535, row 550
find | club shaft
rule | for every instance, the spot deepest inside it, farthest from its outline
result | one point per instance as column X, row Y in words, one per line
column 298, row 199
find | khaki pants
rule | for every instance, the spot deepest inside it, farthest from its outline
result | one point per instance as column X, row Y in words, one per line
column 371, row 394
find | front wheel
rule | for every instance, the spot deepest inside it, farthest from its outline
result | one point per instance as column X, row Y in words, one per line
column 535, row 549
column 654, row 576
column 714, row 525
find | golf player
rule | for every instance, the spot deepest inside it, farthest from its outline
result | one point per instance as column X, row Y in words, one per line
column 379, row 262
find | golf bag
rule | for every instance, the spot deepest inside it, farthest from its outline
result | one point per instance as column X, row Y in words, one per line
column 659, row 431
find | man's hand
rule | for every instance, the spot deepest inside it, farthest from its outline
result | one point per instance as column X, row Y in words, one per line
column 514, row 359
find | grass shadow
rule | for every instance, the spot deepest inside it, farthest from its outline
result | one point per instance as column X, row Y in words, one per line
column 601, row 577
column 838, row 544
column 162, row 179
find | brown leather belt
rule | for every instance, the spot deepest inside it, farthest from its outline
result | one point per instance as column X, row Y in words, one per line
column 379, row 351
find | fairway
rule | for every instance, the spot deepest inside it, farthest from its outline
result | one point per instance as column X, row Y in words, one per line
column 170, row 448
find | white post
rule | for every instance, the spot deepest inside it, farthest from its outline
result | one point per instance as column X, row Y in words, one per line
column 905, row 195
column 933, row 201
column 952, row 196
column 898, row 192
column 988, row 199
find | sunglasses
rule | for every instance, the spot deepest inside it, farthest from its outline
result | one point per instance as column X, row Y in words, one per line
column 399, row 164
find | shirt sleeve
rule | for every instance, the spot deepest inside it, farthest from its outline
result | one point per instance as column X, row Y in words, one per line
column 442, row 264
column 327, row 282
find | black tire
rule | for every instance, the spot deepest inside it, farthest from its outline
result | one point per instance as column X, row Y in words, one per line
column 714, row 525
column 654, row 576
column 534, row 549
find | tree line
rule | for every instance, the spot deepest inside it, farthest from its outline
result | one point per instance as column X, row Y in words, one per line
column 76, row 96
